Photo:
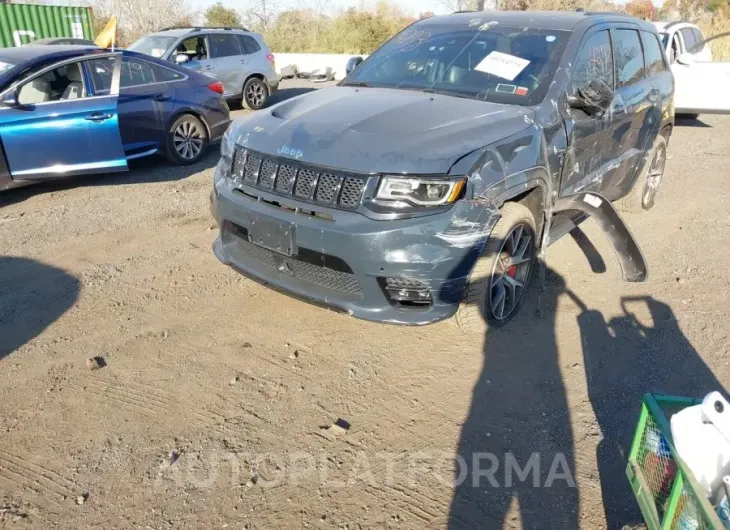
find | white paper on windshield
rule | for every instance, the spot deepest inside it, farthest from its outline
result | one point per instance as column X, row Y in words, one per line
column 502, row 65
column 157, row 52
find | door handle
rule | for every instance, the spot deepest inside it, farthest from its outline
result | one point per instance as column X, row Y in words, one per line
column 97, row 117
column 207, row 67
column 243, row 61
column 161, row 97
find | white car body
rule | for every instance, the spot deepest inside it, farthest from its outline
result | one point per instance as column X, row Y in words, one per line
column 702, row 86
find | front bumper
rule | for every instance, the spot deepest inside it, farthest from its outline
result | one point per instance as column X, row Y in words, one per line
column 342, row 263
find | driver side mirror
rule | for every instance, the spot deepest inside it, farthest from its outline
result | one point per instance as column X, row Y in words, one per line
column 10, row 99
column 352, row 63
column 182, row 58
column 594, row 98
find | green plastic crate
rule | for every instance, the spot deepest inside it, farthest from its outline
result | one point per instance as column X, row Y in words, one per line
column 665, row 489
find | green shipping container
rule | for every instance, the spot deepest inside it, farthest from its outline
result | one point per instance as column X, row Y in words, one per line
column 24, row 23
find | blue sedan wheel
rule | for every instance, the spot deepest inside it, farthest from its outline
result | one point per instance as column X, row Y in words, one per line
column 186, row 140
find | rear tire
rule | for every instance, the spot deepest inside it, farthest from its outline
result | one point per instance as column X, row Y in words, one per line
column 643, row 193
column 512, row 243
column 186, row 140
column 255, row 94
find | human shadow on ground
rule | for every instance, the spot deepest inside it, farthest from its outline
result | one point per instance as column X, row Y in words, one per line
column 518, row 441
column 33, row 296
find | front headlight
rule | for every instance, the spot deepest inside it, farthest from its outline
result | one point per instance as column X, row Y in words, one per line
column 228, row 145
column 421, row 191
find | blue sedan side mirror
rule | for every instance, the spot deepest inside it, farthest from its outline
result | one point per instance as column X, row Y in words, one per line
column 10, row 99
column 352, row 63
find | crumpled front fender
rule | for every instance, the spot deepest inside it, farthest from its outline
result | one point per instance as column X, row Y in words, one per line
column 630, row 257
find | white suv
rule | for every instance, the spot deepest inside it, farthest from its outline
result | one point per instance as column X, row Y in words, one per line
column 702, row 85
column 240, row 59
column 683, row 37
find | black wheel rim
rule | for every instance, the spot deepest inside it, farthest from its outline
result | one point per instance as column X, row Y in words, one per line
column 255, row 94
column 511, row 272
column 654, row 177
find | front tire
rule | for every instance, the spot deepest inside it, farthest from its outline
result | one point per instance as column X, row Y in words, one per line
column 186, row 140
column 643, row 193
column 255, row 94
column 501, row 274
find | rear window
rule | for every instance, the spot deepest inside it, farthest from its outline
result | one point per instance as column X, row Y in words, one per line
column 628, row 57
column 135, row 73
column 699, row 40
column 653, row 52
column 689, row 39
column 249, row 44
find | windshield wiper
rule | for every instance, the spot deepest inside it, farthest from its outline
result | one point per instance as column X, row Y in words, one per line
column 357, row 83
column 445, row 93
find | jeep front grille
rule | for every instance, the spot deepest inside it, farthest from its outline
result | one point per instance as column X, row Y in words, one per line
column 304, row 182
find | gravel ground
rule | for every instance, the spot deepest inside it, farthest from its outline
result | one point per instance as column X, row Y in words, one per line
column 218, row 401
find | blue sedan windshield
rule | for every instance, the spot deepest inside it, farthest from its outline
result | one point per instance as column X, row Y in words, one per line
column 487, row 61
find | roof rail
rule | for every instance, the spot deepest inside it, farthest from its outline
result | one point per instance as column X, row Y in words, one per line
column 466, row 11
column 199, row 28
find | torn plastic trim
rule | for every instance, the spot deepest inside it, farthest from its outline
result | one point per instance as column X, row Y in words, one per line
column 630, row 258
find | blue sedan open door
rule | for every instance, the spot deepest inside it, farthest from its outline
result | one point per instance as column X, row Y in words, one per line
column 63, row 120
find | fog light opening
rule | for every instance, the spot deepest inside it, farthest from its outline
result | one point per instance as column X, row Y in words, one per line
column 407, row 292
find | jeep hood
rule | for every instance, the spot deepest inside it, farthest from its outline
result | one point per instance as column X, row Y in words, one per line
column 379, row 130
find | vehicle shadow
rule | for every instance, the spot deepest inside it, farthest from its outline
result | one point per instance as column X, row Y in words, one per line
column 33, row 295
column 520, row 427
column 287, row 93
column 686, row 121
column 144, row 171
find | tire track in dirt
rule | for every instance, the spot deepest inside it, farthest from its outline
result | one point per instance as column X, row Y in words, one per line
column 140, row 398
column 50, row 484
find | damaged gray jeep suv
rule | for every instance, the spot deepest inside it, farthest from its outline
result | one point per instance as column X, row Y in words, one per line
column 426, row 183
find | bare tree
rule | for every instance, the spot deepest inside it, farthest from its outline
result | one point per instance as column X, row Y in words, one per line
column 456, row 5
column 261, row 14
column 139, row 17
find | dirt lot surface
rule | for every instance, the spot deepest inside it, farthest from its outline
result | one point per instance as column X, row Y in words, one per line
column 216, row 403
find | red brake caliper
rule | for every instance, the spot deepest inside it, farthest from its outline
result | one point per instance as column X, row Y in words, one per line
column 512, row 271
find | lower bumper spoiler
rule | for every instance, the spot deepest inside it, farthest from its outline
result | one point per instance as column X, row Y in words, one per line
column 630, row 257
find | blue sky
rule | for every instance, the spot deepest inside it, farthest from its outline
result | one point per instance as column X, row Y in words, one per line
column 411, row 7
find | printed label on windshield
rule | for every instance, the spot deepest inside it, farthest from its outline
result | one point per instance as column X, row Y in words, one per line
column 502, row 65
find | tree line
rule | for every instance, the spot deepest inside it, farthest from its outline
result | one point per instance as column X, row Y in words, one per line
column 313, row 28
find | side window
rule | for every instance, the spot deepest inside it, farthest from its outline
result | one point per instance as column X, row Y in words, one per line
column 136, row 72
column 628, row 57
column 653, row 54
column 249, row 44
column 594, row 61
column 163, row 74
column 60, row 84
column 699, row 40
column 689, row 40
column 193, row 47
column 101, row 71
column 224, row 45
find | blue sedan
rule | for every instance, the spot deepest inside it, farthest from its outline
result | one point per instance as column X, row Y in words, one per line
column 69, row 110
